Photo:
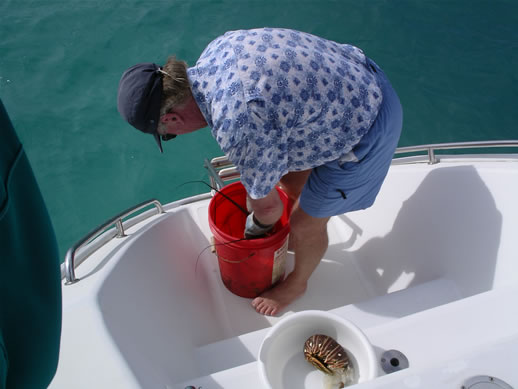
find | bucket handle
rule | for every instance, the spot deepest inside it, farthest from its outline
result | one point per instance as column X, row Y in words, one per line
column 238, row 261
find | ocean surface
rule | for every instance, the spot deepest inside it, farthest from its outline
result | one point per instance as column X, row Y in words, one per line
column 453, row 63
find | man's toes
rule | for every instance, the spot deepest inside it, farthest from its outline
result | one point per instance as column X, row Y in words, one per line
column 271, row 311
column 263, row 308
column 259, row 305
column 256, row 302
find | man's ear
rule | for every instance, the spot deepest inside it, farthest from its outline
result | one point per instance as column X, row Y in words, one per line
column 173, row 121
column 172, row 117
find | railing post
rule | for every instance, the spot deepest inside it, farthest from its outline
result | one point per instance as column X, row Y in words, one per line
column 120, row 229
column 215, row 179
column 432, row 159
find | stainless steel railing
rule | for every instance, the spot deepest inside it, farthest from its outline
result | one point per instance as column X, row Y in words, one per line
column 222, row 170
column 70, row 264
column 432, row 148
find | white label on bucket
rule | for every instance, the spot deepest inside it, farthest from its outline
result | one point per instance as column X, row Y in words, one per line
column 279, row 262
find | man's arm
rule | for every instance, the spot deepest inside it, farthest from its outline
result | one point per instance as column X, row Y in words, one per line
column 265, row 212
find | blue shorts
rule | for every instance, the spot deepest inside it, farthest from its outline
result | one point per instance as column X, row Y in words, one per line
column 339, row 186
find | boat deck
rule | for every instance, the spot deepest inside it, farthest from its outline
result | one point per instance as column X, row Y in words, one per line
column 429, row 270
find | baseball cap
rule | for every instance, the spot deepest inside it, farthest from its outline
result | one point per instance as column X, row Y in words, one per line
column 139, row 98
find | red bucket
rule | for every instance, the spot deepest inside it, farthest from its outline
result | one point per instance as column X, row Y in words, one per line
column 247, row 267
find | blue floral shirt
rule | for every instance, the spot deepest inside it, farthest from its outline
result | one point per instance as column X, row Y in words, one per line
column 280, row 100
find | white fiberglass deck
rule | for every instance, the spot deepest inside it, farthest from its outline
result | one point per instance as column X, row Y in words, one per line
column 430, row 270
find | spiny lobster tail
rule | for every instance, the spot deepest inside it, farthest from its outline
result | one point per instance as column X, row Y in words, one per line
column 325, row 353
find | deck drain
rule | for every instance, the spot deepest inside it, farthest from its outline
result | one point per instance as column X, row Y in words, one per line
column 485, row 382
column 393, row 360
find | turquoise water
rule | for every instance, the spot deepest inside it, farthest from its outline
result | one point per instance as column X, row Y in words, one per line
column 453, row 63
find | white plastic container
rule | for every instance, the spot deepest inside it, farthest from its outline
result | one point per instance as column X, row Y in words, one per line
column 281, row 358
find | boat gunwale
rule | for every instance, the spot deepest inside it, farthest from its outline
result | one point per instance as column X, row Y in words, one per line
column 221, row 170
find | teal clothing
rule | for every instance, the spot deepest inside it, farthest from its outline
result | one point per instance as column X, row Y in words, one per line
column 30, row 280
column 3, row 363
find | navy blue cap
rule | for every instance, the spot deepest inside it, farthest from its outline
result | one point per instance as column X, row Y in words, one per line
column 139, row 98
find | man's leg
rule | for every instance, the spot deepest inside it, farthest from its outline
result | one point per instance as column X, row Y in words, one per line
column 293, row 182
column 308, row 236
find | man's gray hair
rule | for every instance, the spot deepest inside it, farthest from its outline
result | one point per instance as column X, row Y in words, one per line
column 176, row 89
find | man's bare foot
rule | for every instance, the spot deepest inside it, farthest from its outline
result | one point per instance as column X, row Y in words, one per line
column 279, row 297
